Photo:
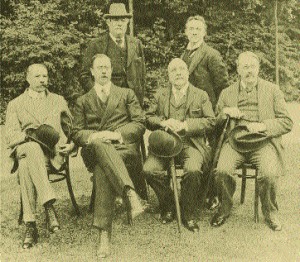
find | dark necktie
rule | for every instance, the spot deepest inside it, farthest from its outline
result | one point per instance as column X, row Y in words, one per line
column 119, row 42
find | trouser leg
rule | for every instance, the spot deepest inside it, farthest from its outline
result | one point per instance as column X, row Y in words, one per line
column 33, row 178
column 268, row 166
column 225, row 183
column 104, row 200
column 112, row 164
column 191, row 184
column 155, row 174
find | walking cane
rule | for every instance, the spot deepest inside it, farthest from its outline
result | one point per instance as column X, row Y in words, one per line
column 175, row 191
column 217, row 155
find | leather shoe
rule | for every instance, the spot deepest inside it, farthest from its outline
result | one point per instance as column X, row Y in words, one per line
column 51, row 219
column 168, row 217
column 103, row 249
column 191, row 225
column 31, row 235
column 218, row 220
column 134, row 206
column 273, row 223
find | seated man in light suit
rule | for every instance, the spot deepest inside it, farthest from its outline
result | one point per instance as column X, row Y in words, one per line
column 260, row 106
column 108, row 125
column 34, row 108
column 186, row 110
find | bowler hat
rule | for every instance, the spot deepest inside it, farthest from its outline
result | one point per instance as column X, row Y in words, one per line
column 46, row 136
column 164, row 144
column 244, row 141
column 117, row 10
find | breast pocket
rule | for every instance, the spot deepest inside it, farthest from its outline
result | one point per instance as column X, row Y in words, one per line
column 196, row 112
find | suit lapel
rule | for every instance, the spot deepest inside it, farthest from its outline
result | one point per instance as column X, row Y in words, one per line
column 130, row 44
column 112, row 103
column 261, row 99
column 190, row 96
column 94, row 103
column 166, row 105
column 197, row 57
column 36, row 114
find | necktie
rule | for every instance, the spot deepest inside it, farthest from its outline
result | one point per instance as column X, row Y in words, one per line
column 104, row 96
column 119, row 42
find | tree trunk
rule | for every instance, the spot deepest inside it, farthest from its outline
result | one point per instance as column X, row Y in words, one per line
column 131, row 20
column 276, row 45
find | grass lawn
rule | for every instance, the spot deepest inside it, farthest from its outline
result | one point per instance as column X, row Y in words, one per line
column 240, row 239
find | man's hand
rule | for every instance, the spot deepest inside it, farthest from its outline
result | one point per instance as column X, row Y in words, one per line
column 233, row 112
column 65, row 149
column 256, row 127
column 171, row 123
column 106, row 136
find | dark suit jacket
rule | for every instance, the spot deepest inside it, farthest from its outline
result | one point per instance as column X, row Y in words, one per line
column 271, row 107
column 208, row 72
column 200, row 117
column 135, row 72
column 122, row 114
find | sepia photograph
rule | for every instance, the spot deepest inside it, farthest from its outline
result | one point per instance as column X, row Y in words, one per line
column 150, row 130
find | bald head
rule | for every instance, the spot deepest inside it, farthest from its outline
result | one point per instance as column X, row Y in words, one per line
column 178, row 73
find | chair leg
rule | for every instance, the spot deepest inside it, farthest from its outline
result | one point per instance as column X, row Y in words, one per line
column 20, row 219
column 69, row 184
column 243, row 189
column 256, row 198
column 92, row 202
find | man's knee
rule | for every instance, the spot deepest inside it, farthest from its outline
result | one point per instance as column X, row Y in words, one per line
column 29, row 149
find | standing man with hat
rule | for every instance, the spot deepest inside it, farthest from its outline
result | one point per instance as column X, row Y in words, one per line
column 259, row 107
column 125, row 52
column 34, row 134
column 108, row 125
column 127, row 60
column 186, row 110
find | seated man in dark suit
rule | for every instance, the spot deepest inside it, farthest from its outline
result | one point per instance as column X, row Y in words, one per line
column 258, row 105
column 108, row 125
column 36, row 109
column 188, row 111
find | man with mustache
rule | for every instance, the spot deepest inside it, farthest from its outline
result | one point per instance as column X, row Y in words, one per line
column 36, row 107
column 108, row 125
column 188, row 111
column 258, row 105
column 127, row 59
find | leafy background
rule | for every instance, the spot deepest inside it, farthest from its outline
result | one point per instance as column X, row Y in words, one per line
column 55, row 31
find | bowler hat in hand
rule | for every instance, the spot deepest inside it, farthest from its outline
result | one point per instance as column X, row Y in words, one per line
column 46, row 136
column 244, row 141
column 164, row 144
column 117, row 10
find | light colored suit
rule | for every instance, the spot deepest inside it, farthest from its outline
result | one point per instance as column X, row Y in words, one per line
column 23, row 113
column 269, row 160
column 107, row 161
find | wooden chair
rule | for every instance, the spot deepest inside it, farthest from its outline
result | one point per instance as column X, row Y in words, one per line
column 57, row 177
column 244, row 167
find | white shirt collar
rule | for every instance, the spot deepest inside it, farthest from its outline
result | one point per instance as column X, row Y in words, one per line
column 180, row 93
column 36, row 95
column 105, row 89
column 115, row 40
column 195, row 46
column 243, row 86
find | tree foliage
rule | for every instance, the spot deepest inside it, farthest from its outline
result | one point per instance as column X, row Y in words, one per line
column 53, row 31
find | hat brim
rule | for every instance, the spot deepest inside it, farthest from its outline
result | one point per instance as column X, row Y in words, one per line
column 176, row 150
column 52, row 151
column 108, row 16
column 240, row 140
